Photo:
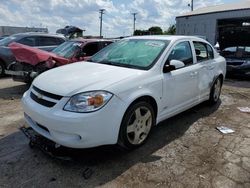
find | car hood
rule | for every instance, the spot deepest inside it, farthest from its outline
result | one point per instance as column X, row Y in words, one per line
column 34, row 56
column 82, row 76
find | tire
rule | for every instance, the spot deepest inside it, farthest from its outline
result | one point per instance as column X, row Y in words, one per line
column 2, row 67
column 136, row 125
column 215, row 91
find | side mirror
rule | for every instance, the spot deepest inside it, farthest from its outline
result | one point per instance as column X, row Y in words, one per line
column 173, row 65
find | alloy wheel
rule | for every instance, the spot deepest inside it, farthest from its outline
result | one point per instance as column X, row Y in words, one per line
column 139, row 125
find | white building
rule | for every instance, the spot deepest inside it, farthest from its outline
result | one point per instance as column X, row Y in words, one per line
column 10, row 30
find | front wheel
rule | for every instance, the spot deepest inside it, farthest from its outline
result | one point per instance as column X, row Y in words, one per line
column 215, row 91
column 136, row 125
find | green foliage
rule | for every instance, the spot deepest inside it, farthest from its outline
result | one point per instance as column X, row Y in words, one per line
column 155, row 30
column 171, row 30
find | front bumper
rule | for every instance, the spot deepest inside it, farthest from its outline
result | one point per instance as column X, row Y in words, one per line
column 242, row 70
column 19, row 73
column 75, row 130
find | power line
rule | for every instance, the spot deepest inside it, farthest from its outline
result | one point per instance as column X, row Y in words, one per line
column 134, row 14
column 101, row 11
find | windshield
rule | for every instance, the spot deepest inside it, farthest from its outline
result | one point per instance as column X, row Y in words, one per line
column 68, row 49
column 132, row 53
column 6, row 41
column 237, row 52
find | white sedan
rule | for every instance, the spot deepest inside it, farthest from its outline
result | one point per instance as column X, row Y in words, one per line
column 123, row 91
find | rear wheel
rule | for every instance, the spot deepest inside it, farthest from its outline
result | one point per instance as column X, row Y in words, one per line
column 215, row 91
column 136, row 125
column 1, row 69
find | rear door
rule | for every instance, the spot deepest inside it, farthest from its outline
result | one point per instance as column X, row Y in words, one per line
column 205, row 58
column 180, row 87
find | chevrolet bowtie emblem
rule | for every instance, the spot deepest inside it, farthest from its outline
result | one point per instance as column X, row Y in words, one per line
column 39, row 96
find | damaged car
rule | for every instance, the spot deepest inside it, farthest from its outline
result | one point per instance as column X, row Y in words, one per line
column 31, row 62
column 238, row 61
column 42, row 41
column 123, row 91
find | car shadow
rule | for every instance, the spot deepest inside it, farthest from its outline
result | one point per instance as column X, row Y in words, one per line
column 101, row 164
column 13, row 92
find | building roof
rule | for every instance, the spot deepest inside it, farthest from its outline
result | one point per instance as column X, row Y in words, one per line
column 219, row 8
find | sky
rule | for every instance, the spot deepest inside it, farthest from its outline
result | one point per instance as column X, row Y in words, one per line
column 117, row 19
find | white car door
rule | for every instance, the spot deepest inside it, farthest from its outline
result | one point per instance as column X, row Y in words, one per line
column 180, row 87
column 205, row 58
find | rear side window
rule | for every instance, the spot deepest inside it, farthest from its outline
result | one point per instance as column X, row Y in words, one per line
column 91, row 48
column 106, row 43
column 29, row 41
column 48, row 41
column 203, row 51
column 210, row 52
column 182, row 52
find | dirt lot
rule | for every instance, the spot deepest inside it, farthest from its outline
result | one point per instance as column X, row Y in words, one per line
column 184, row 151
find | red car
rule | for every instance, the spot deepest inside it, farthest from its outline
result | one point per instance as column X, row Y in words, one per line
column 30, row 62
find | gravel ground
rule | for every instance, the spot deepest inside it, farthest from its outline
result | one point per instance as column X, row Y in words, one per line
column 183, row 151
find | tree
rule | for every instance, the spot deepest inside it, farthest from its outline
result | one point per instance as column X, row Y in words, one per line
column 171, row 30
column 155, row 30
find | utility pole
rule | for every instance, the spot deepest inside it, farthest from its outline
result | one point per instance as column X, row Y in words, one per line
column 134, row 14
column 101, row 11
column 191, row 5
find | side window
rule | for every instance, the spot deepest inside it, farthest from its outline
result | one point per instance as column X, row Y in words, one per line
column 210, row 52
column 29, row 41
column 91, row 48
column 106, row 43
column 203, row 51
column 59, row 41
column 48, row 41
column 182, row 52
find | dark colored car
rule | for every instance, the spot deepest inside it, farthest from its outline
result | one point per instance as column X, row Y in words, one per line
column 238, row 61
column 30, row 62
column 3, row 37
column 42, row 41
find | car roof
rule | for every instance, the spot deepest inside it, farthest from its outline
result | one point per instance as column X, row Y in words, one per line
column 168, row 37
column 80, row 39
column 38, row 34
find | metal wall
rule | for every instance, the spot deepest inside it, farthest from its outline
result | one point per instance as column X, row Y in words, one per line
column 9, row 30
column 206, row 24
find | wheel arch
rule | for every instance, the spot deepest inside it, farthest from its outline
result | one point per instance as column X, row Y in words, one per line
column 146, row 98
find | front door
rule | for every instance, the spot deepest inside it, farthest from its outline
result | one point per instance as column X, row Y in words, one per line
column 180, row 87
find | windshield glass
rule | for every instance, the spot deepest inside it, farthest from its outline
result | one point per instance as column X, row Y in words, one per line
column 132, row 53
column 6, row 41
column 68, row 49
column 237, row 52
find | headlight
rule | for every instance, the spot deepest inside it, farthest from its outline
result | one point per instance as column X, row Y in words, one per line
column 88, row 101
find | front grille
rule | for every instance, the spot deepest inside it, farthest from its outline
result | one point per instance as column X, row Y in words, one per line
column 43, row 97
column 41, row 101
column 47, row 94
